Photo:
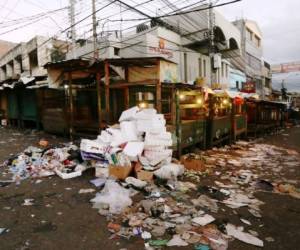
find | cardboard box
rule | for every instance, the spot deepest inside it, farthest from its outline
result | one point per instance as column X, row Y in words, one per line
column 144, row 175
column 193, row 164
column 119, row 172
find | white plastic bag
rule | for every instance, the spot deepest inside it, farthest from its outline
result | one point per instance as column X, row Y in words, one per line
column 169, row 171
column 117, row 197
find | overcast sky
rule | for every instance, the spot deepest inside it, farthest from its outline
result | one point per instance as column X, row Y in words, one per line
column 278, row 19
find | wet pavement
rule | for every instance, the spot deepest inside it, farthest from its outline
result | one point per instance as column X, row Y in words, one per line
column 60, row 217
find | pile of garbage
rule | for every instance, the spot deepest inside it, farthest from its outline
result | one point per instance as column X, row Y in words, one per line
column 139, row 141
column 35, row 162
column 143, row 192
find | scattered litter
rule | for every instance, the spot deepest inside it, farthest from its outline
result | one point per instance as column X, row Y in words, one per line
column 169, row 171
column 117, row 197
column 135, row 182
column 28, row 202
column 245, row 221
column 146, row 235
column 98, row 182
column 242, row 236
column 177, row 241
column 85, row 191
column 2, row 230
column 269, row 239
column 202, row 247
column 203, row 220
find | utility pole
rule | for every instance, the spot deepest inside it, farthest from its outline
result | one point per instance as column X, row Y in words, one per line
column 96, row 54
column 211, row 49
column 73, row 31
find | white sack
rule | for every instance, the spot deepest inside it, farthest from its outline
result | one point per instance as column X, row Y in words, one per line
column 169, row 171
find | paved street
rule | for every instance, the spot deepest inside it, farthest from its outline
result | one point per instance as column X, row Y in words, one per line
column 62, row 218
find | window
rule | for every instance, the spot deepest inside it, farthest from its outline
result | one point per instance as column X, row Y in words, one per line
column 249, row 34
column 33, row 59
column 204, row 68
column 200, row 67
column 116, row 51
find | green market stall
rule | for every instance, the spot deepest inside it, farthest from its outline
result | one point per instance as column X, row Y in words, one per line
column 219, row 122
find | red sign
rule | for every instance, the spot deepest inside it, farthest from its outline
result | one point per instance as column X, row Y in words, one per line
column 249, row 87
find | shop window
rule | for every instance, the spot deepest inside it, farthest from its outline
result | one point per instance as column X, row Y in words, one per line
column 204, row 68
column 200, row 67
column 116, row 51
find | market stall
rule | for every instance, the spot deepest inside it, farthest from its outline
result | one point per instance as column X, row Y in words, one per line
column 219, row 123
column 264, row 116
column 76, row 103
column 152, row 83
column 21, row 104
column 238, row 116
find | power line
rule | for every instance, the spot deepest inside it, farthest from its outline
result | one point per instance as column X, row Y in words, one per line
column 176, row 14
column 66, row 29
column 33, row 16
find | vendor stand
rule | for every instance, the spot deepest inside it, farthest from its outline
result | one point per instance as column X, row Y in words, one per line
column 219, row 123
column 152, row 83
column 238, row 117
column 264, row 116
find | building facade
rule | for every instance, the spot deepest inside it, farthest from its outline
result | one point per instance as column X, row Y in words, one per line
column 27, row 59
column 183, row 40
column 250, row 62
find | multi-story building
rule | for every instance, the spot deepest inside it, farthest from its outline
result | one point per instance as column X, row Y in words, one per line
column 267, row 80
column 184, row 40
column 250, row 62
column 27, row 59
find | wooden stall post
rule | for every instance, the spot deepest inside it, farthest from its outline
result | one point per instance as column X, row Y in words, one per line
column 107, row 76
column 98, row 87
column 158, row 88
column 178, row 125
column 233, row 121
column 126, row 89
column 126, row 95
column 173, row 106
column 71, row 125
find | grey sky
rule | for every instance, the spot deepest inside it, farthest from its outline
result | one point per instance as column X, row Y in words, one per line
column 278, row 19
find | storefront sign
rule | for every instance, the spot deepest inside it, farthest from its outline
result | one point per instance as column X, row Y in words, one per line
column 161, row 49
column 249, row 87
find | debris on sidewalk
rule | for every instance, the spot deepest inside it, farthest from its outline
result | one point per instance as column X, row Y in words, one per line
column 238, row 233
column 3, row 230
column 28, row 202
column 86, row 191
column 142, row 192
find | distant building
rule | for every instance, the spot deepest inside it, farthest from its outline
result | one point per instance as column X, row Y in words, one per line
column 267, row 79
column 27, row 59
column 250, row 61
